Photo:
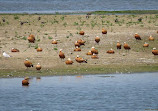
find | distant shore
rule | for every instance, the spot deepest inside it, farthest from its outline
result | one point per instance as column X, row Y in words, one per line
column 82, row 12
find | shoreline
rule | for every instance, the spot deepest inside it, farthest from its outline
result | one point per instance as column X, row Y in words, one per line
column 74, row 71
column 99, row 12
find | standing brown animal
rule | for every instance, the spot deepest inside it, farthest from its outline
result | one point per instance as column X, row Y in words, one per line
column 126, row 46
column 104, row 31
column 27, row 63
column 137, row 37
column 61, row 54
column 97, row 39
column 31, row 38
column 38, row 66
column 77, row 44
column 118, row 45
column 154, row 51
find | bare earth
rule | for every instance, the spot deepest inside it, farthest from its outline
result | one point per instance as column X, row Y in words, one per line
column 65, row 28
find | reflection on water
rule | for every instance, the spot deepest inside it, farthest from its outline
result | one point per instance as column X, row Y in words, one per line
column 38, row 79
column 128, row 92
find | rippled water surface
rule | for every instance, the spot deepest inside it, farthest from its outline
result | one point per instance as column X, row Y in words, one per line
column 117, row 92
column 48, row 6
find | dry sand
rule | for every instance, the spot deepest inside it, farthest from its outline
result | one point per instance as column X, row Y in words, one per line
column 65, row 28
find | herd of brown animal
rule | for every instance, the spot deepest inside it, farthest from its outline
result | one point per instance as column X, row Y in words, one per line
column 93, row 52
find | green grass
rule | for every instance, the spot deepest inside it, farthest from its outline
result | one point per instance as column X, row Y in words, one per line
column 50, row 37
column 16, row 17
column 36, row 46
column 75, row 24
column 62, row 18
column 127, row 12
column 24, row 38
column 64, row 24
column 55, row 49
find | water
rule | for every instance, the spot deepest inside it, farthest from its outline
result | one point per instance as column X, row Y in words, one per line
column 117, row 92
column 52, row 6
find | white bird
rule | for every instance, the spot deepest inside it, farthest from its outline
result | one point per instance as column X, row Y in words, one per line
column 5, row 54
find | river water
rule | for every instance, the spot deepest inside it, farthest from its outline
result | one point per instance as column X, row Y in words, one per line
column 110, row 92
column 52, row 6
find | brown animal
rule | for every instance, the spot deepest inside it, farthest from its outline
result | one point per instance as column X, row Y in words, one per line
column 137, row 37
column 157, row 31
column 104, row 31
column 14, row 50
column 61, row 54
column 38, row 66
column 81, row 42
column 89, row 53
column 118, row 45
column 97, row 39
column 94, row 56
column 31, row 38
column 111, row 51
column 80, row 60
column 25, row 82
column 77, row 44
column 151, row 38
column 145, row 45
column 69, row 61
column 77, row 49
column 81, row 32
column 54, row 42
column 27, row 63
column 39, row 49
column 126, row 46
column 94, row 50
column 154, row 51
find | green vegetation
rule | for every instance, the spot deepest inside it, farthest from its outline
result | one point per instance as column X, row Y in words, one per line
column 36, row 46
column 64, row 24
column 82, row 70
column 24, row 38
column 55, row 49
column 16, row 17
column 62, row 18
column 75, row 23
column 50, row 37
column 127, row 12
